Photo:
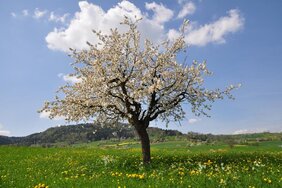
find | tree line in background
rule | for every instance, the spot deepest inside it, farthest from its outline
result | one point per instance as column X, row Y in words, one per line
column 85, row 133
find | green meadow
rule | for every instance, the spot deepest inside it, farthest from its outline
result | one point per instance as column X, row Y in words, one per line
column 118, row 164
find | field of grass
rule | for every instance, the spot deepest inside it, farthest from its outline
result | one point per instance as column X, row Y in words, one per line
column 118, row 164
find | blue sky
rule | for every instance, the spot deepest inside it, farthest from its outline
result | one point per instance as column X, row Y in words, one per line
column 241, row 41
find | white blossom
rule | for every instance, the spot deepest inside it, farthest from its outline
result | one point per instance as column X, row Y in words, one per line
column 123, row 80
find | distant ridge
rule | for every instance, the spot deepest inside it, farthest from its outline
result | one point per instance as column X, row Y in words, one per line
column 82, row 133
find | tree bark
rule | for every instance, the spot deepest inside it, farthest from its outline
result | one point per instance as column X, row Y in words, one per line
column 145, row 143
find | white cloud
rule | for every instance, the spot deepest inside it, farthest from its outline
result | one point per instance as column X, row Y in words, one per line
column 45, row 115
column 216, row 31
column 161, row 13
column 242, row 131
column 39, row 13
column 247, row 131
column 69, row 78
column 188, row 8
column 25, row 12
column 193, row 120
column 4, row 132
column 92, row 16
column 57, row 18
column 173, row 34
column 13, row 14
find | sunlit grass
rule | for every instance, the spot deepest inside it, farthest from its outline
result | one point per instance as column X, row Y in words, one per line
column 98, row 167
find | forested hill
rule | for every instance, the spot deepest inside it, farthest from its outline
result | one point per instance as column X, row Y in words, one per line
column 83, row 133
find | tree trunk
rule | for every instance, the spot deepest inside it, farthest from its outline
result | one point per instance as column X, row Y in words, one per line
column 145, row 142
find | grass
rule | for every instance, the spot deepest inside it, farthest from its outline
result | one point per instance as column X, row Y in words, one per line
column 112, row 164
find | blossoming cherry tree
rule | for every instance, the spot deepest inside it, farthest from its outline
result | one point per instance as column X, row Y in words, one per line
column 123, row 79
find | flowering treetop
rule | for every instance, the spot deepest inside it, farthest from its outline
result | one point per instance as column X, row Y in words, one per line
column 122, row 79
